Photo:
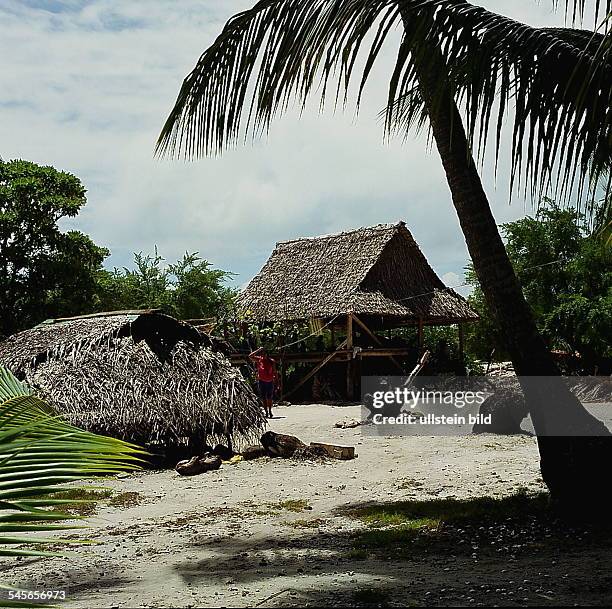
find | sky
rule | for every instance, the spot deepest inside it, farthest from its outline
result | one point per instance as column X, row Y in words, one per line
column 87, row 84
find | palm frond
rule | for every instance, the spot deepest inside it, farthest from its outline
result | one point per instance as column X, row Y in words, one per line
column 39, row 454
column 577, row 8
column 556, row 82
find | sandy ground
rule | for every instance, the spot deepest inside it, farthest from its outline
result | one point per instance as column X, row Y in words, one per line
column 221, row 539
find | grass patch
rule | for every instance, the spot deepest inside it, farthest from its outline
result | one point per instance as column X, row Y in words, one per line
column 292, row 505
column 396, row 538
column 264, row 510
column 405, row 528
column 126, row 500
column 80, row 501
column 433, row 513
column 357, row 554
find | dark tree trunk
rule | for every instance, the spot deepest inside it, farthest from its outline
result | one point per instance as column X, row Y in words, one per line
column 568, row 464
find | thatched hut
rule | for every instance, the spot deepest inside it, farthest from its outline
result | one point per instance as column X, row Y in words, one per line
column 377, row 272
column 363, row 280
column 137, row 375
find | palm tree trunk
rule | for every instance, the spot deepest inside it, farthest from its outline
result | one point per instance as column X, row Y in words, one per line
column 565, row 461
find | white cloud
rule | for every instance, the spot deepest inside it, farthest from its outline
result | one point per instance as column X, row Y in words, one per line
column 90, row 84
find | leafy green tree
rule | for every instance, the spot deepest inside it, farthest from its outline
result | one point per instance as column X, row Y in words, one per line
column 566, row 274
column 44, row 272
column 198, row 290
column 187, row 289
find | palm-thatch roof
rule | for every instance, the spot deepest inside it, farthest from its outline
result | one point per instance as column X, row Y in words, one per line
column 374, row 271
column 137, row 375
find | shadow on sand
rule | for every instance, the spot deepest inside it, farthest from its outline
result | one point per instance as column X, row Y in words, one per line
column 436, row 552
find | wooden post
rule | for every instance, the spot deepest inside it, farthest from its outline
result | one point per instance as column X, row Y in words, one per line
column 420, row 335
column 349, row 331
column 357, row 376
column 461, row 342
column 350, row 386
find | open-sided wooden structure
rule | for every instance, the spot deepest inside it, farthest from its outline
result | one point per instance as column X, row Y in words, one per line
column 358, row 282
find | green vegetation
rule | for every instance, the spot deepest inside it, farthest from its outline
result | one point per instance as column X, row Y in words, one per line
column 566, row 274
column 126, row 500
column 427, row 514
column 44, row 272
column 187, row 289
column 403, row 526
column 293, row 505
column 82, row 501
column 42, row 454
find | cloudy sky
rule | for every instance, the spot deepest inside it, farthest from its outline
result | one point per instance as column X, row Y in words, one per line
column 87, row 84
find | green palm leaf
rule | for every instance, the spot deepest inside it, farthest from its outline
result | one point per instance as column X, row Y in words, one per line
column 39, row 454
column 555, row 83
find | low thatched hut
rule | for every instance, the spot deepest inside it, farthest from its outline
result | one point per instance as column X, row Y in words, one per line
column 366, row 280
column 136, row 375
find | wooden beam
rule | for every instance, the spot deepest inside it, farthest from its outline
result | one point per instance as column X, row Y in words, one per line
column 376, row 340
column 384, row 353
column 420, row 365
column 316, row 369
column 349, row 331
column 316, row 357
column 461, row 342
column 350, row 382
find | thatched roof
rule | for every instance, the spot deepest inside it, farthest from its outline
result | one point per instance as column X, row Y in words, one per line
column 378, row 270
column 139, row 376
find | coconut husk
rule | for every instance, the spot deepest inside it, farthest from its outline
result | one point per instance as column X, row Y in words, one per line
column 198, row 465
column 254, row 452
column 280, row 445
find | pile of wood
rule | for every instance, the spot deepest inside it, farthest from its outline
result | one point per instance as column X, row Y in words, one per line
column 288, row 447
column 271, row 445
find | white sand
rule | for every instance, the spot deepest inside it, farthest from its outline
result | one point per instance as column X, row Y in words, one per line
column 213, row 539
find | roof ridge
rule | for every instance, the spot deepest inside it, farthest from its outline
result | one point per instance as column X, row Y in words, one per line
column 99, row 315
column 379, row 227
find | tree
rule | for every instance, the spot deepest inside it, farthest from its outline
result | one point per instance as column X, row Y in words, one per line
column 450, row 51
column 44, row 272
column 187, row 289
column 566, row 274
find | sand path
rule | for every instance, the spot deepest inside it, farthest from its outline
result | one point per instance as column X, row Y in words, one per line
column 223, row 539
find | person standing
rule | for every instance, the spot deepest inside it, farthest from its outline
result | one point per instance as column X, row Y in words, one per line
column 266, row 375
